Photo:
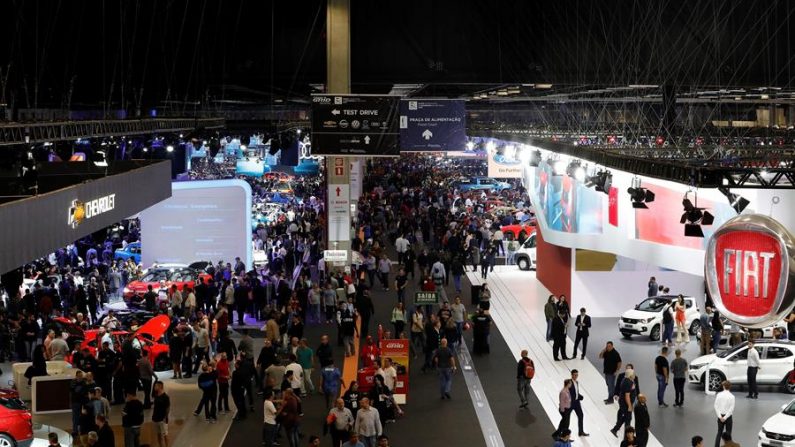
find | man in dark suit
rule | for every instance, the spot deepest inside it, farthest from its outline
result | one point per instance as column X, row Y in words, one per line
column 582, row 323
column 559, row 336
column 642, row 422
column 576, row 397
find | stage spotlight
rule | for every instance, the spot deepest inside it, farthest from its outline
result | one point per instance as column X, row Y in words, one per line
column 535, row 158
column 694, row 217
column 737, row 202
column 576, row 171
column 558, row 167
column 602, row 181
column 640, row 196
column 470, row 145
column 169, row 148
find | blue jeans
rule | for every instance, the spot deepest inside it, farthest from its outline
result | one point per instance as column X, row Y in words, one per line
column 668, row 333
column 459, row 330
column 457, row 283
column 132, row 436
column 76, row 409
column 445, row 380
column 661, row 386
column 610, row 380
column 715, row 340
column 549, row 329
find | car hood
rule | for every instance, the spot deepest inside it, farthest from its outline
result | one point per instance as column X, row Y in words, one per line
column 154, row 328
column 704, row 359
column 140, row 285
column 780, row 423
column 639, row 314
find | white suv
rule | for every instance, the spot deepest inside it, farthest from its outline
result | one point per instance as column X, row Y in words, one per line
column 779, row 430
column 776, row 357
column 647, row 317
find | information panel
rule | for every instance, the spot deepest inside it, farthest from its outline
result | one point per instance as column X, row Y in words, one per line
column 353, row 125
column 432, row 125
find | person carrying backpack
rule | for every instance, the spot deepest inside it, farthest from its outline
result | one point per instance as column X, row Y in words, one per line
column 525, row 371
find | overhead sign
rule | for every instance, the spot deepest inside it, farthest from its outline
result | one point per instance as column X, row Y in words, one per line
column 335, row 255
column 749, row 270
column 80, row 211
column 505, row 164
column 426, row 298
column 339, row 212
column 364, row 125
column 432, row 125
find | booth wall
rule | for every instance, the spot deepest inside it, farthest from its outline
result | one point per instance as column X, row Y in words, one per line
column 554, row 266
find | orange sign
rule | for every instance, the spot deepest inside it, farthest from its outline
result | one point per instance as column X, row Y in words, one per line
column 398, row 351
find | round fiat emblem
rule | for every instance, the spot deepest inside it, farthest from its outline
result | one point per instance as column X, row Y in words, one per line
column 749, row 268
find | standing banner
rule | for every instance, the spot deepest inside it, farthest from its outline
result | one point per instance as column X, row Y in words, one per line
column 339, row 212
column 430, row 125
column 398, row 351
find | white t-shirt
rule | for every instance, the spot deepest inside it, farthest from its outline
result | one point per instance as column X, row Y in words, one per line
column 390, row 377
column 269, row 411
column 298, row 374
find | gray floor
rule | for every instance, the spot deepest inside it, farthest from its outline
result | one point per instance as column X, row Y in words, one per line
column 675, row 426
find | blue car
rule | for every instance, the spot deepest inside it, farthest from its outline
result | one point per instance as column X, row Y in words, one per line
column 481, row 184
column 132, row 250
column 307, row 167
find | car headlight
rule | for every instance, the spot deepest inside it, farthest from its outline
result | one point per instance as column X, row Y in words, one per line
column 647, row 320
column 697, row 365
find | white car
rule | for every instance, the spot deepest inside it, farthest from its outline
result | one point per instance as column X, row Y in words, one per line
column 779, row 430
column 647, row 317
column 776, row 361
column 525, row 257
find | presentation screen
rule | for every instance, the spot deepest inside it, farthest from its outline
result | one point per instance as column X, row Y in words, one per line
column 202, row 221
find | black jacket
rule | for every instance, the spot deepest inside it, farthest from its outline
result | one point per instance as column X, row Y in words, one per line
column 558, row 327
column 641, row 417
column 586, row 324
column 105, row 437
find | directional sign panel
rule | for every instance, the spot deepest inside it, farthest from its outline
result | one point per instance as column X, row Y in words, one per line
column 339, row 213
column 354, row 125
column 432, row 125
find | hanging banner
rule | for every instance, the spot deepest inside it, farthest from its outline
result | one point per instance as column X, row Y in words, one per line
column 429, row 125
column 505, row 163
column 356, row 180
column 613, row 206
column 398, row 351
column 749, row 270
column 355, row 125
column 339, row 213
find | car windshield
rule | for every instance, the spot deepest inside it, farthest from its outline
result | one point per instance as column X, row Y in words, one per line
column 731, row 351
column 155, row 276
column 653, row 305
column 789, row 410
column 12, row 404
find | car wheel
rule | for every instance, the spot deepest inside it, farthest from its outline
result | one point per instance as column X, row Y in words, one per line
column 790, row 387
column 715, row 380
column 626, row 335
column 6, row 441
column 694, row 327
column 162, row 363
column 654, row 335
column 524, row 263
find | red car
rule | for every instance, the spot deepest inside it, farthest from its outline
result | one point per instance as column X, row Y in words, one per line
column 150, row 335
column 515, row 229
column 168, row 275
column 16, row 423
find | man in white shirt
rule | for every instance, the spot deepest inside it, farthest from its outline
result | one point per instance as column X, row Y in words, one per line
column 724, row 409
column 753, row 368
column 401, row 245
column 110, row 322
column 297, row 381
column 389, row 373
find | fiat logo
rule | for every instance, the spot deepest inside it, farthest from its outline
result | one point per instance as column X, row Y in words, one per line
column 749, row 269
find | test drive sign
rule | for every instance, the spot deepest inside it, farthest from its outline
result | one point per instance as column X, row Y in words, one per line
column 750, row 270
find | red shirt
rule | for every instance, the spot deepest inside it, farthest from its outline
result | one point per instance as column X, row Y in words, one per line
column 223, row 370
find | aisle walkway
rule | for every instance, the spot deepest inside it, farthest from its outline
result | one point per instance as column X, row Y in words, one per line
column 517, row 302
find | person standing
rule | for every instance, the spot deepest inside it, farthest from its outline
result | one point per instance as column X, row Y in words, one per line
column 330, row 381
column 626, row 396
column 576, row 405
column 652, row 287
column 705, row 326
column 401, row 245
column 550, row 309
column 668, row 326
column 368, row 423
column 682, row 332
column 444, row 360
column 268, row 419
column 417, row 330
column 340, row 421
column 642, row 421
column 582, row 323
column 717, row 329
column 162, row 408
column 611, row 363
column 559, row 337
column 132, row 418
column 679, row 369
column 401, row 281
column 305, row 356
column 724, row 409
column 459, row 315
column 147, row 375
column 661, row 370
column 564, row 408
column 525, row 371
column 752, row 370
column 398, row 319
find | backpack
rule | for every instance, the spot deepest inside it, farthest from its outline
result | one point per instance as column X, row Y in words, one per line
column 529, row 369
